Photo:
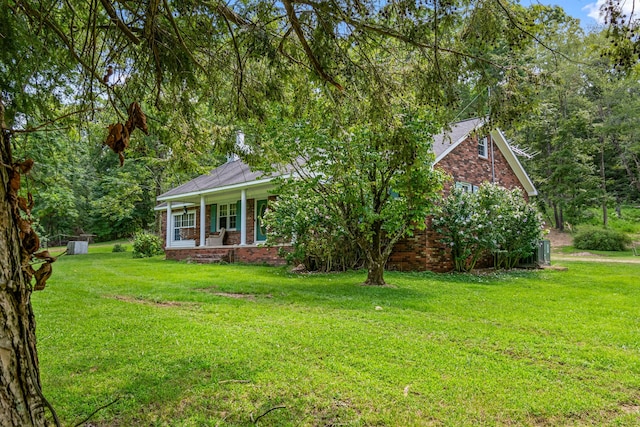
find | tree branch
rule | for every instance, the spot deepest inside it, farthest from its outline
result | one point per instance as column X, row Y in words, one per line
column 229, row 14
column 384, row 31
column 533, row 36
column 50, row 122
column 238, row 58
column 62, row 36
column 108, row 7
column 293, row 19
column 96, row 411
column 179, row 36
column 255, row 421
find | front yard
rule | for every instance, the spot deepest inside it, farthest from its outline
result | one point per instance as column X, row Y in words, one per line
column 196, row 345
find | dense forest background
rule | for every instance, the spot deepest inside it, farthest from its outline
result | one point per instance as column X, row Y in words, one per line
column 578, row 141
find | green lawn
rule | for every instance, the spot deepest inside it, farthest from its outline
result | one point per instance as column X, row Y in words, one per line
column 178, row 347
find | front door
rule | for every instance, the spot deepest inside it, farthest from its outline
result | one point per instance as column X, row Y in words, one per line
column 261, row 230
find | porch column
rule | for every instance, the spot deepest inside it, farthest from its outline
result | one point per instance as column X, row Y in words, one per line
column 168, row 245
column 202, row 220
column 243, row 218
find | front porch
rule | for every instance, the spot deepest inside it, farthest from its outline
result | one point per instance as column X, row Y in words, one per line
column 250, row 254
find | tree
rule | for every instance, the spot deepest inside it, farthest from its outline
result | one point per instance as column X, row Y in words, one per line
column 560, row 130
column 71, row 59
column 364, row 184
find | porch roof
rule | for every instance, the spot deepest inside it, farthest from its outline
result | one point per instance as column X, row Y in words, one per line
column 233, row 174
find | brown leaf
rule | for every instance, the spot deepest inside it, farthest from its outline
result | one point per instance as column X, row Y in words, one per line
column 41, row 275
column 31, row 242
column 25, row 166
column 26, row 204
column 45, row 255
column 118, row 139
column 137, row 119
column 14, row 180
column 24, row 226
column 105, row 79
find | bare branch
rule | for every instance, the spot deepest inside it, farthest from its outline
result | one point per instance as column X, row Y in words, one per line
column 50, row 122
column 255, row 421
column 96, row 411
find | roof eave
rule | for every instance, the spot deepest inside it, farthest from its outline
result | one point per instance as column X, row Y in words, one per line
column 241, row 185
column 500, row 140
column 453, row 146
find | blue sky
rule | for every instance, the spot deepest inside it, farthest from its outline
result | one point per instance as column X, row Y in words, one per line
column 585, row 10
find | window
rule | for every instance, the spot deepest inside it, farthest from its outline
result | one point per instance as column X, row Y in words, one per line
column 482, row 147
column 469, row 188
column 183, row 220
column 227, row 216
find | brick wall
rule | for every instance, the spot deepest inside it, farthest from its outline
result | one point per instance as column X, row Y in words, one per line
column 423, row 251
column 245, row 254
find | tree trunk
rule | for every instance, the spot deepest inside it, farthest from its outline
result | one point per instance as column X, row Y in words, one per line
column 605, row 215
column 375, row 273
column 375, row 258
column 557, row 216
column 21, row 401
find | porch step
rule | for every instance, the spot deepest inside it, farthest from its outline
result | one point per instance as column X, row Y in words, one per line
column 210, row 258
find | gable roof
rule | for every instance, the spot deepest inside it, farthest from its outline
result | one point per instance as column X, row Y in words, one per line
column 237, row 174
column 447, row 141
column 503, row 145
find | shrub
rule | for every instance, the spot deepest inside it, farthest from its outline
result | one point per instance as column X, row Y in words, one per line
column 458, row 221
column 493, row 221
column 146, row 245
column 319, row 242
column 601, row 240
column 119, row 248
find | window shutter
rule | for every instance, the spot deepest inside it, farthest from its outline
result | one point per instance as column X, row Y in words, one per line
column 214, row 219
column 238, row 215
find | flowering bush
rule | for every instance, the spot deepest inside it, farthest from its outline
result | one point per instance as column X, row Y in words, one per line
column 318, row 241
column 458, row 221
column 493, row 221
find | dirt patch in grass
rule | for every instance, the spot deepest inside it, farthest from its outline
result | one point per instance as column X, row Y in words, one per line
column 583, row 254
column 144, row 301
column 630, row 409
column 248, row 297
column 558, row 238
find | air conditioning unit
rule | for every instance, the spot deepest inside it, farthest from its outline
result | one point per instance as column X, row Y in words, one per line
column 542, row 255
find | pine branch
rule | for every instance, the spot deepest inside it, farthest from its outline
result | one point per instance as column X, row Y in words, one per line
column 293, row 19
column 108, row 7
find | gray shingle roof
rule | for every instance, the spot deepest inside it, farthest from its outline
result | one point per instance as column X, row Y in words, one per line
column 443, row 141
column 238, row 172
column 235, row 172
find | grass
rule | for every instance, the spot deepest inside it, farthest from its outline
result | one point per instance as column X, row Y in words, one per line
column 628, row 222
column 204, row 345
column 571, row 250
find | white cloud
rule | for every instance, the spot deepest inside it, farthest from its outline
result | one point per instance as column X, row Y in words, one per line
column 593, row 9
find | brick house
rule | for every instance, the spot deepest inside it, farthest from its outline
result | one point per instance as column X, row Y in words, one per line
column 233, row 197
